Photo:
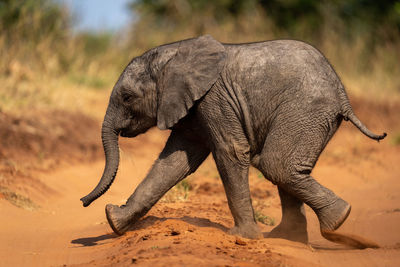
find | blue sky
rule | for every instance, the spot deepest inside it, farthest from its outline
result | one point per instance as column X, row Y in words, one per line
column 99, row 15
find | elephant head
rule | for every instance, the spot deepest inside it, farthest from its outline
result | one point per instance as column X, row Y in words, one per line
column 157, row 88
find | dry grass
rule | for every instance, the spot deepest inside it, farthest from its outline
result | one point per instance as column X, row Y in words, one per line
column 49, row 67
column 367, row 72
column 50, row 79
column 373, row 75
column 64, row 71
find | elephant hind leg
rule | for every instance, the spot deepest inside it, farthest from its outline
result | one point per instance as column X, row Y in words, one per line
column 290, row 152
column 293, row 225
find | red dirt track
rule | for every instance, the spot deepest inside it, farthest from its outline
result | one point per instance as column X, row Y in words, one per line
column 191, row 230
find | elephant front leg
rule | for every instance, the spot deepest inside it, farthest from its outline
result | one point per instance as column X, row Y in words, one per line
column 180, row 157
column 293, row 225
column 234, row 175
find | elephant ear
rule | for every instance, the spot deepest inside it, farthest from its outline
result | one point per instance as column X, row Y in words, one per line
column 188, row 76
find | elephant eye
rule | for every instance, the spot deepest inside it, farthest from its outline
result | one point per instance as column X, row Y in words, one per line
column 127, row 98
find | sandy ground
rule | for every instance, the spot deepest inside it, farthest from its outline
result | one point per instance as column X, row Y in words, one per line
column 188, row 227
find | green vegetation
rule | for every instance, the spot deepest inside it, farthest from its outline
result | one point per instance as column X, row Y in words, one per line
column 179, row 193
column 265, row 219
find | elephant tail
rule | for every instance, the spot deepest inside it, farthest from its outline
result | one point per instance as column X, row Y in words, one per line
column 348, row 114
column 353, row 118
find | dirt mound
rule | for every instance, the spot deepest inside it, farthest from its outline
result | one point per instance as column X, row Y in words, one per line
column 42, row 140
column 164, row 242
column 45, row 134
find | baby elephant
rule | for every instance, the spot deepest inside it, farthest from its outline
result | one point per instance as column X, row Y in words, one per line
column 273, row 105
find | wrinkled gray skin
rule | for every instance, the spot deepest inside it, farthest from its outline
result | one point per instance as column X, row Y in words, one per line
column 274, row 105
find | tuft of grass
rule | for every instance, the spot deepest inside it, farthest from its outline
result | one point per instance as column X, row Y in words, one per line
column 184, row 186
column 18, row 200
column 179, row 193
column 265, row 219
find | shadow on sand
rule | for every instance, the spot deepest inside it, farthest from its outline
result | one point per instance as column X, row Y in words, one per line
column 148, row 222
column 92, row 241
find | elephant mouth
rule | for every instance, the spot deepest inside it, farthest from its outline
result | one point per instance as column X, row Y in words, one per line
column 130, row 133
column 134, row 129
column 127, row 134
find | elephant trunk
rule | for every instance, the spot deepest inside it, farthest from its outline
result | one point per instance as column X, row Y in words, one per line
column 109, row 136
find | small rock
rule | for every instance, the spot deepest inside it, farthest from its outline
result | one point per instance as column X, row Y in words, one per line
column 240, row 242
column 173, row 232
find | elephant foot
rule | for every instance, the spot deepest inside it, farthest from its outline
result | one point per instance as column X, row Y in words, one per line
column 116, row 217
column 297, row 233
column 333, row 216
column 250, row 231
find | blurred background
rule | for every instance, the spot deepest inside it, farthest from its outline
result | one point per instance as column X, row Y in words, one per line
column 59, row 60
column 52, row 50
